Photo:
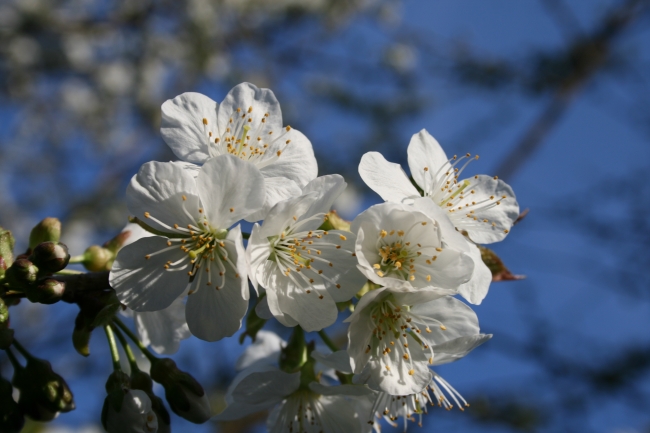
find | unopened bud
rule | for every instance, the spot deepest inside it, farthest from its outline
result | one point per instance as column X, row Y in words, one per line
column 115, row 244
column 11, row 417
column 48, row 291
column 40, row 387
column 50, row 256
column 48, row 230
column 142, row 381
column 184, row 394
column 97, row 259
column 6, row 250
column 22, row 272
column 334, row 222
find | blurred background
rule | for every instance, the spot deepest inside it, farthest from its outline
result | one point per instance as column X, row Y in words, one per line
column 554, row 95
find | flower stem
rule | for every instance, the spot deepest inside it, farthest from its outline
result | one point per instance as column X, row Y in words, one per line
column 127, row 348
column 113, row 346
column 135, row 339
column 13, row 360
column 21, row 349
column 77, row 259
column 69, row 272
column 328, row 341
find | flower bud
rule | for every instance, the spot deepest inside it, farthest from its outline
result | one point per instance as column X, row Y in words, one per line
column 11, row 417
column 97, row 259
column 50, row 256
column 22, row 272
column 133, row 416
column 48, row 230
column 48, row 291
column 6, row 250
column 184, row 394
column 42, row 391
column 142, row 381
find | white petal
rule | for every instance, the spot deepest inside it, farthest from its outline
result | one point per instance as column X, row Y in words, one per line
column 449, row 234
column 266, row 348
column 158, row 189
column 477, row 287
column 329, row 188
column 491, row 223
column 282, row 214
column 458, row 319
column 296, row 161
column 276, row 310
column 163, row 329
column 230, row 189
column 245, row 96
column 183, row 127
column 425, row 152
column 212, row 313
column 144, row 284
column 313, row 311
column 386, row 178
column 339, row 360
column 343, row 277
column 351, row 390
column 286, row 384
column 277, row 190
column 258, row 252
column 457, row 348
column 262, row 309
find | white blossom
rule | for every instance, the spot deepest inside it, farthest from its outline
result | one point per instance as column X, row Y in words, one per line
column 164, row 329
column 247, row 124
column 304, row 270
column 395, row 336
column 196, row 253
column 482, row 206
column 400, row 247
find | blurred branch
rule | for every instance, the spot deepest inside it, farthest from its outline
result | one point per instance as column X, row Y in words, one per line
column 584, row 58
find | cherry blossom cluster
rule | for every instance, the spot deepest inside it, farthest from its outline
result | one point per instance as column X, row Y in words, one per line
column 394, row 272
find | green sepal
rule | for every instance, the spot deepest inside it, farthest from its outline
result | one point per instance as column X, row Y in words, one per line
column 499, row 270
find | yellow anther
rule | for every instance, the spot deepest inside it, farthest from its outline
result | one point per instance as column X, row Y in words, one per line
column 147, row 215
column 343, row 238
column 443, row 327
column 205, row 121
column 232, row 209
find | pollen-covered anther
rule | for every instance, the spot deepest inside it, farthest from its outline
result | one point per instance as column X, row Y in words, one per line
column 205, row 121
column 232, row 209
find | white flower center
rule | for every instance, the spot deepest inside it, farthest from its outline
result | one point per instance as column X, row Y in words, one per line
column 401, row 257
column 444, row 188
column 397, row 329
column 299, row 253
column 302, row 412
column 202, row 244
column 247, row 139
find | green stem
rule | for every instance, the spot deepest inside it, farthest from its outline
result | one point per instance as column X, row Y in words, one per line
column 127, row 348
column 77, row 259
column 111, row 343
column 13, row 360
column 69, row 272
column 22, row 350
column 135, row 339
column 328, row 341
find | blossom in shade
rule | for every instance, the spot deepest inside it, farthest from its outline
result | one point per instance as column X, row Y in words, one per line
column 400, row 247
column 304, row 270
column 482, row 206
column 395, row 336
column 135, row 414
column 194, row 252
column 297, row 405
column 248, row 125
